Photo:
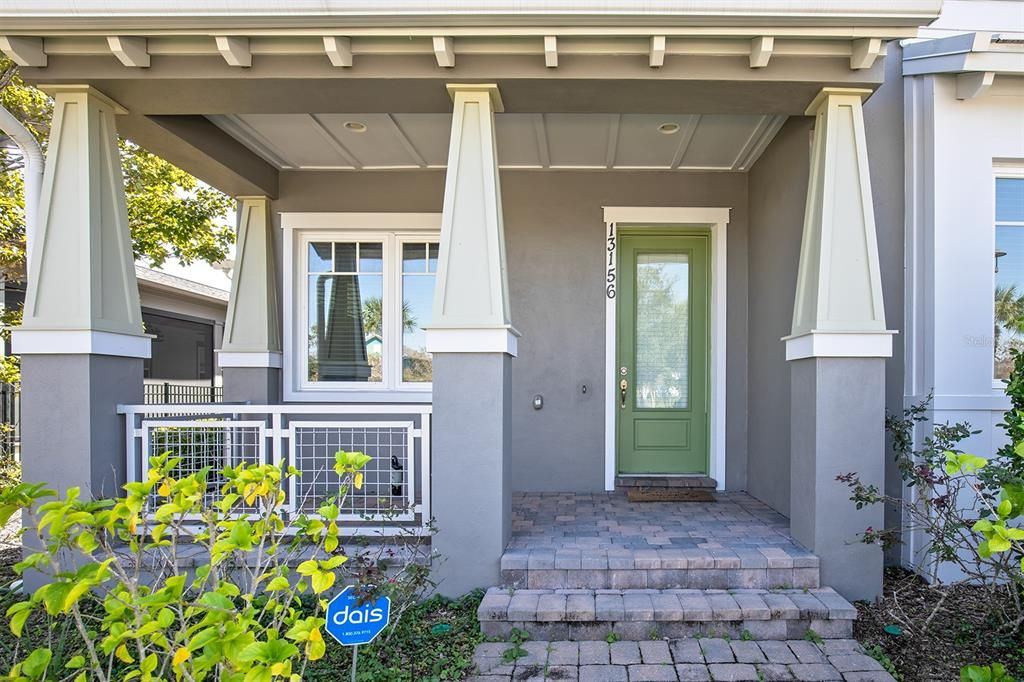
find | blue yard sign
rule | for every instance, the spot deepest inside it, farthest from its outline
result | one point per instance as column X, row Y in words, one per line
column 352, row 624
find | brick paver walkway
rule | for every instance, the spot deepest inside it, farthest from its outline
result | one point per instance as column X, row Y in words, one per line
column 609, row 520
column 680, row 660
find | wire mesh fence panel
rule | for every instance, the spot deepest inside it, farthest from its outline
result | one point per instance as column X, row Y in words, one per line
column 10, row 421
column 386, row 492
column 203, row 444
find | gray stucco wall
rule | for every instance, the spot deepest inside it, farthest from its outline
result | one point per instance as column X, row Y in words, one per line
column 778, row 187
column 883, row 119
column 555, row 243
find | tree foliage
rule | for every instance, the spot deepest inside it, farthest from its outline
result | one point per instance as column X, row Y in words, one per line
column 172, row 215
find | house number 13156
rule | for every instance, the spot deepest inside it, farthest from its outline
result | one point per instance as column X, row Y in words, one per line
column 610, row 276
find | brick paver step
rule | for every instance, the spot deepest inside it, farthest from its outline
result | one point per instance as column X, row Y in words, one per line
column 679, row 660
column 765, row 567
column 642, row 614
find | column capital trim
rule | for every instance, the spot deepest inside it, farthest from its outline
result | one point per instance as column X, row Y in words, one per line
column 503, row 339
column 236, row 358
column 821, row 344
column 80, row 342
column 490, row 88
column 81, row 88
column 823, row 96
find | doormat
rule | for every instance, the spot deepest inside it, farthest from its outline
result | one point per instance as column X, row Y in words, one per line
column 646, row 494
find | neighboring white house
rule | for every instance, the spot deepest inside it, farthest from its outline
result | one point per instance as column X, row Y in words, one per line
column 964, row 121
column 186, row 319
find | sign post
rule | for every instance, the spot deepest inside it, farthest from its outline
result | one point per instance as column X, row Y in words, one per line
column 353, row 624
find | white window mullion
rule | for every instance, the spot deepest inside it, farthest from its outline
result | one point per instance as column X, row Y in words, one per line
column 391, row 310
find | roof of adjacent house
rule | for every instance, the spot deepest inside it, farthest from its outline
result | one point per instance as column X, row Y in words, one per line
column 162, row 280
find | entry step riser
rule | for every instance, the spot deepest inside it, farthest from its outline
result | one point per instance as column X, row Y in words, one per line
column 666, row 482
column 647, row 614
column 775, row 630
column 686, row 578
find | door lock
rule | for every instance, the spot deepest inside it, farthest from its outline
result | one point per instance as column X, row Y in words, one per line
column 623, row 386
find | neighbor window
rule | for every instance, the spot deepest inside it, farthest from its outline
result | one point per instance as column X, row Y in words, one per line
column 1009, row 270
column 367, row 301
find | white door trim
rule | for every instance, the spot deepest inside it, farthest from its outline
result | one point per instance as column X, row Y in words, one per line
column 716, row 220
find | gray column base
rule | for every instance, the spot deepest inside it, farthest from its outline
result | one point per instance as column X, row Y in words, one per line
column 71, row 433
column 254, row 385
column 837, row 427
column 471, row 496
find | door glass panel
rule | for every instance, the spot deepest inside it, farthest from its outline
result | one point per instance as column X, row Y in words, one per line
column 662, row 330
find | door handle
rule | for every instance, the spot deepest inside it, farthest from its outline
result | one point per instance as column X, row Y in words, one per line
column 623, row 385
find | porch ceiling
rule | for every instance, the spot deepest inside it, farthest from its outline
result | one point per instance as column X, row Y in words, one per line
column 560, row 141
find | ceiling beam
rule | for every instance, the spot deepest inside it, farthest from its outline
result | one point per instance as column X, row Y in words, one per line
column 335, row 143
column 339, row 50
column 235, row 50
column 761, row 49
column 657, row 58
column 540, row 131
column 444, row 51
column 550, row 52
column 131, row 51
column 865, row 51
column 974, row 84
column 612, row 149
column 685, row 137
column 23, row 51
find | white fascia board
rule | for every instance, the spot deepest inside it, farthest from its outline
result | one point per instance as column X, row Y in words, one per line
column 210, row 13
column 970, row 52
column 817, row 344
column 79, row 342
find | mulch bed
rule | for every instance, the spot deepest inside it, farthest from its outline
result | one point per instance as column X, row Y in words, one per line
column 961, row 633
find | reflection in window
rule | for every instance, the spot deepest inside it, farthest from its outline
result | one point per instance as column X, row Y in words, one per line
column 345, row 290
column 419, row 265
column 662, row 330
column 1009, row 267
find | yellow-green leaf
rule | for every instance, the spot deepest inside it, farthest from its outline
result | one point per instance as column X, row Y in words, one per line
column 180, row 656
column 122, row 654
column 322, row 581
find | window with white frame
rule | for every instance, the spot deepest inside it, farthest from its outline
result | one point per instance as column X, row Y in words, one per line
column 1008, row 305
column 366, row 299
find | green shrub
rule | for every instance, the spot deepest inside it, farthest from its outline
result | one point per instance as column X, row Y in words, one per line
column 248, row 608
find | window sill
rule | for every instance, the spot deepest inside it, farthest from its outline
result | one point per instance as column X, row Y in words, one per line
column 359, row 396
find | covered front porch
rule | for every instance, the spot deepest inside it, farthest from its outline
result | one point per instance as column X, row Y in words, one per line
column 505, row 170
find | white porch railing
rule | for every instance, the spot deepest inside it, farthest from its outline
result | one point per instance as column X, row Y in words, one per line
column 394, row 498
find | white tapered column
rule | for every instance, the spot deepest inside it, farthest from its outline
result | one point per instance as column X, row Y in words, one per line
column 251, row 353
column 472, row 341
column 471, row 306
column 81, row 342
column 837, row 352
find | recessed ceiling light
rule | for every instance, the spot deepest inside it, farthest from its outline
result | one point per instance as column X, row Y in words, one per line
column 668, row 128
column 357, row 127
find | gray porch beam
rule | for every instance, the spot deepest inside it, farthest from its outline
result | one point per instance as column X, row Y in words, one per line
column 195, row 145
column 409, row 84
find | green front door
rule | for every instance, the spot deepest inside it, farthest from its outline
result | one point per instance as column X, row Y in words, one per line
column 662, row 369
